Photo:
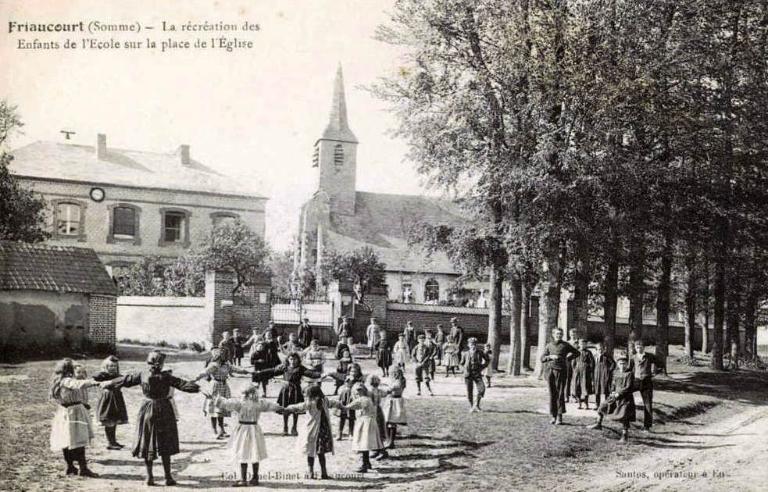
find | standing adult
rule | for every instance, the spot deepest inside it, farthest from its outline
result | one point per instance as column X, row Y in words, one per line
column 372, row 336
column 409, row 333
column 557, row 354
column 457, row 332
column 644, row 366
column 305, row 333
column 473, row 361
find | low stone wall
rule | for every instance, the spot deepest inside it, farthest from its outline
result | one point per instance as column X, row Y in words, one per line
column 157, row 319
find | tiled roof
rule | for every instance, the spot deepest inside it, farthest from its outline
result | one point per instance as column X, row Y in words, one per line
column 383, row 221
column 123, row 167
column 60, row 269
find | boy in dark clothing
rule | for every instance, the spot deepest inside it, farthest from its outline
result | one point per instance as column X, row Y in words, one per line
column 557, row 354
column 473, row 361
column 620, row 404
column 237, row 342
column 583, row 371
column 422, row 357
column 644, row 367
column 604, row 367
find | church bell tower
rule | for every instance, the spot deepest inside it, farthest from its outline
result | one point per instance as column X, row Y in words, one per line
column 335, row 155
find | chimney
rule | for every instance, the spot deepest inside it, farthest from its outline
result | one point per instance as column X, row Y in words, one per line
column 184, row 153
column 101, row 146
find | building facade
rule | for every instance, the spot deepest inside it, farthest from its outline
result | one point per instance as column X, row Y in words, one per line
column 339, row 217
column 127, row 204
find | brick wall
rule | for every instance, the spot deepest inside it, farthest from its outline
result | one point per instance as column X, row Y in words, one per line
column 102, row 321
column 473, row 321
column 251, row 307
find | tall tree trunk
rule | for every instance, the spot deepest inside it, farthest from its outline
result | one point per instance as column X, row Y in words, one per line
column 515, row 355
column 719, row 313
column 549, row 309
column 662, row 304
column 750, row 321
column 494, row 313
column 636, row 294
column 705, row 348
column 581, row 289
column 525, row 326
column 690, row 304
column 733, row 310
column 611, row 298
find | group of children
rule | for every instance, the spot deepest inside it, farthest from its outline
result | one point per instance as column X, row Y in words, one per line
column 577, row 373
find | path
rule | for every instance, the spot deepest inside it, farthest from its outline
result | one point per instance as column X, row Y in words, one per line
column 729, row 455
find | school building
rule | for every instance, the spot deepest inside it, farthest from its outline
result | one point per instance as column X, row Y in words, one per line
column 129, row 204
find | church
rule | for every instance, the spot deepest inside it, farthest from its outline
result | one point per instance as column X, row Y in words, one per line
column 340, row 218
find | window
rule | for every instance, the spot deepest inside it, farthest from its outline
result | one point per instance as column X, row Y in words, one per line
column 338, row 155
column 173, row 225
column 431, row 291
column 124, row 222
column 68, row 219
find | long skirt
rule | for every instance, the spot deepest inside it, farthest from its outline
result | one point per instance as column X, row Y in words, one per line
column 218, row 388
column 394, row 411
column 381, row 422
column 156, row 431
column 366, row 436
column 247, row 444
column 71, row 428
column 290, row 394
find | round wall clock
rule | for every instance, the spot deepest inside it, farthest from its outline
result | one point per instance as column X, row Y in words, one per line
column 97, row 194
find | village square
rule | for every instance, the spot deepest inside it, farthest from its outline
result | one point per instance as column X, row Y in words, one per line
column 529, row 251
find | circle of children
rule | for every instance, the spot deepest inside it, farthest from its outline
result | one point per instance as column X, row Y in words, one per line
column 373, row 411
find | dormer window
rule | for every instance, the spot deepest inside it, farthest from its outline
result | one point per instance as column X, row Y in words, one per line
column 338, row 155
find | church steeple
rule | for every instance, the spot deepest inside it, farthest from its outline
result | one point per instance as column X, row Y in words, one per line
column 338, row 126
column 335, row 156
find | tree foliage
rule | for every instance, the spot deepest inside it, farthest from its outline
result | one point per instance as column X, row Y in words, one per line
column 361, row 266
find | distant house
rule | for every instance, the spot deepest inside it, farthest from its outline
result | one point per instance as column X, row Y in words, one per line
column 129, row 204
column 54, row 297
column 340, row 218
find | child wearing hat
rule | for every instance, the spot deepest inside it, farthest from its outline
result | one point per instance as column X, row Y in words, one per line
column 422, row 358
column 473, row 361
column 620, row 404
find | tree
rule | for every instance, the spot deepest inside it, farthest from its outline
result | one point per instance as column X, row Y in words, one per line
column 360, row 266
column 144, row 278
column 281, row 266
column 22, row 213
column 234, row 247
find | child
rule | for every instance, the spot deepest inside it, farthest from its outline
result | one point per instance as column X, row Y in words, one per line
column 400, row 352
column 111, row 407
column 157, row 433
column 227, row 346
column 440, row 341
column 342, row 369
column 488, row 371
column 383, row 354
column 341, row 346
column 218, row 372
column 583, row 370
column 377, row 395
column 451, row 351
column 291, row 346
column 71, row 429
column 366, row 437
column 422, row 356
column 247, row 442
column 473, row 361
column 260, row 361
column 394, row 406
column 346, row 397
column 604, row 367
column 290, row 394
column 620, row 405
column 316, row 438
column 237, row 343
column 314, row 356
column 432, row 346
column 570, row 365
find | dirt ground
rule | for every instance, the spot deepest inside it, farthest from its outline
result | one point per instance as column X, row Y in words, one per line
column 711, row 433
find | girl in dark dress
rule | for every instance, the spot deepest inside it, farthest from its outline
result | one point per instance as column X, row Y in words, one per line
column 111, row 409
column 583, row 370
column 156, row 431
column 383, row 354
column 292, row 372
column 260, row 360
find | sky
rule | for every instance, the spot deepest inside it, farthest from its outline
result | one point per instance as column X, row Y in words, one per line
column 253, row 114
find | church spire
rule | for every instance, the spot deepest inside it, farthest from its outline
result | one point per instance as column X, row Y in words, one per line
column 338, row 127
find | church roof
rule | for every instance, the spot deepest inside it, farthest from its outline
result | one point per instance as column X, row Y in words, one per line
column 121, row 167
column 62, row 269
column 383, row 221
column 338, row 125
